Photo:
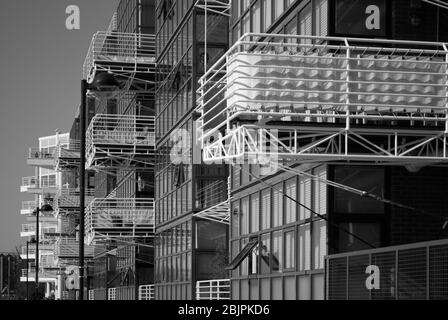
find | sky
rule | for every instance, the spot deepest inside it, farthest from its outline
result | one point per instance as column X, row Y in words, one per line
column 40, row 69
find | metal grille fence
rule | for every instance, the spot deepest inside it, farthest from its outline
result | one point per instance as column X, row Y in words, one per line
column 146, row 292
column 410, row 272
column 213, row 290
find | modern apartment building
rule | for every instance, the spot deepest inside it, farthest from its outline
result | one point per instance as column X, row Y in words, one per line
column 120, row 155
column 256, row 150
column 332, row 116
column 191, row 244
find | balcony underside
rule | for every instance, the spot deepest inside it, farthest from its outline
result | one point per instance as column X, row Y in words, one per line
column 106, row 156
column 323, row 143
column 41, row 163
column 98, row 235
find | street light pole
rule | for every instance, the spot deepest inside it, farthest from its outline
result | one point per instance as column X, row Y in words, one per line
column 27, row 268
column 82, row 185
column 37, row 254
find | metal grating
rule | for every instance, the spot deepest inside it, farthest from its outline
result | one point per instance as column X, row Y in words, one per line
column 410, row 272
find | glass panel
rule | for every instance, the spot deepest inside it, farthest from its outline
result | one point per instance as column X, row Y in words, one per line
column 319, row 243
column 290, row 250
column 277, row 207
column 244, row 216
column 369, row 232
column 290, row 205
column 254, row 212
column 277, row 251
column 367, row 179
column 266, row 209
column 265, row 252
column 304, row 247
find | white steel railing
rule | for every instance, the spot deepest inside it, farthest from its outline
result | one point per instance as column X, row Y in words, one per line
column 360, row 88
column 66, row 198
column 119, row 218
column 36, row 153
column 29, row 182
column 28, row 228
column 119, row 52
column 91, row 295
column 146, row 292
column 112, row 294
column 120, row 137
column 66, row 248
column 213, row 289
column 29, row 205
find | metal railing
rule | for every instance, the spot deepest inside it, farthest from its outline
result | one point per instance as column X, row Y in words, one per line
column 211, row 194
column 68, row 248
column 29, row 182
column 345, row 82
column 213, row 289
column 28, row 207
column 112, row 294
column 91, row 295
column 119, row 52
column 415, row 271
column 146, row 292
column 36, row 153
column 69, row 198
column 28, row 227
column 120, row 137
column 122, row 218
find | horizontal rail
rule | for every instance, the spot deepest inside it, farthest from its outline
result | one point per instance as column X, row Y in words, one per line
column 213, row 289
column 117, row 47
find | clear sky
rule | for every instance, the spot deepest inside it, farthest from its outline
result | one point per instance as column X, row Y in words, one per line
column 40, row 68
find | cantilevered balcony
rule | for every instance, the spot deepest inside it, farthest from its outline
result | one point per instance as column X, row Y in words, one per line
column 41, row 158
column 119, row 218
column 29, row 183
column 28, row 207
column 28, row 230
column 325, row 99
column 409, row 272
column 66, row 200
column 44, row 276
column 67, row 157
column 129, row 56
column 32, row 251
column 68, row 249
column 120, row 141
column 34, row 185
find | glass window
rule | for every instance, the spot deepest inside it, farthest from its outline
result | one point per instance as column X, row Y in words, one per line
column 279, row 8
column 267, row 12
column 304, row 247
column 244, row 216
column 254, row 212
column 366, row 179
column 321, row 17
column 369, row 232
column 305, row 23
column 277, row 251
column 265, row 253
column 210, row 235
column 266, row 209
column 290, row 205
column 256, row 17
column 235, row 219
column 305, row 197
column 277, row 207
column 290, row 250
column 319, row 243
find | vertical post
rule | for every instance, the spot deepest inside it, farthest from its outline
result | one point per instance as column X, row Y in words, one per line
column 82, row 185
column 27, row 269
column 1, row 275
column 37, row 253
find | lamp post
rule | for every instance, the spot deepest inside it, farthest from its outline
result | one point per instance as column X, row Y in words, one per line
column 28, row 242
column 103, row 84
column 45, row 208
